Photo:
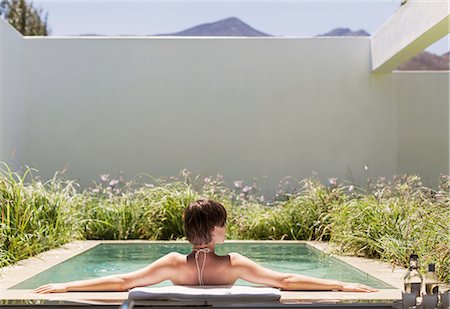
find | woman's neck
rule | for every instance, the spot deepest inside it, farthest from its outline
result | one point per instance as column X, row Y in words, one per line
column 210, row 246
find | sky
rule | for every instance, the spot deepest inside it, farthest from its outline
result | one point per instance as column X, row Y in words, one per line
column 293, row 18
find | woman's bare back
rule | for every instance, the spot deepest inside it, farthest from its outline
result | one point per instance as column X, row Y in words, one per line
column 217, row 270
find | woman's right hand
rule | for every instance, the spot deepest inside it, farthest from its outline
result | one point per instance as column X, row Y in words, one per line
column 355, row 287
column 51, row 288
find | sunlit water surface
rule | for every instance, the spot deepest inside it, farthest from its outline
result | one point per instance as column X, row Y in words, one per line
column 108, row 259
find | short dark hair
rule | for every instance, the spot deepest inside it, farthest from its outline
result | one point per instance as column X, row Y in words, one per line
column 200, row 218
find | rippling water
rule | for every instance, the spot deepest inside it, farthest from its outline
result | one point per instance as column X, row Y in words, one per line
column 108, row 259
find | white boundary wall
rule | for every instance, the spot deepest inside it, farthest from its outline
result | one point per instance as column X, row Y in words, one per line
column 12, row 112
column 422, row 99
column 240, row 107
column 1, row 88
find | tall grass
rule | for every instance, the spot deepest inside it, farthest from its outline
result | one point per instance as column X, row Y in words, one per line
column 389, row 220
column 35, row 216
column 395, row 220
column 116, row 209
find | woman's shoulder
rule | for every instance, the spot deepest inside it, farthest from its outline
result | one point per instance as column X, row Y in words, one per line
column 175, row 255
column 236, row 255
column 237, row 258
column 174, row 258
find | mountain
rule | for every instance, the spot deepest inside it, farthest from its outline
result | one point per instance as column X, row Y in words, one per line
column 87, row 34
column 427, row 61
column 235, row 27
column 345, row 32
column 422, row 61
column 227, row 27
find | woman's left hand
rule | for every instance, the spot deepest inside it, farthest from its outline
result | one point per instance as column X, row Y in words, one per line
column 51, row 288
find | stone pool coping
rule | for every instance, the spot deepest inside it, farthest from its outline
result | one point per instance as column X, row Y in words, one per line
column 12, row 275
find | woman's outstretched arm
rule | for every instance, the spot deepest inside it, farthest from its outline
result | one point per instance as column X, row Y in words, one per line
column 160, row 270
column 255, row 273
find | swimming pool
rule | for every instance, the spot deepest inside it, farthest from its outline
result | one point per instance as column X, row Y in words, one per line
column 107, row 259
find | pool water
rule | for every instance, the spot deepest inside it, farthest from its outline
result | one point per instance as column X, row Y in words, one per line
column 109, row 259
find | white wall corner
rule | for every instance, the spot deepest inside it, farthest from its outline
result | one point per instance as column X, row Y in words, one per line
column 415, row 26
column 7, row 27
column 11, row 104
column 2, row 25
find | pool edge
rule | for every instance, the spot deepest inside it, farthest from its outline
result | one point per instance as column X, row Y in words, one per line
column 381, row 270
column 25, row 269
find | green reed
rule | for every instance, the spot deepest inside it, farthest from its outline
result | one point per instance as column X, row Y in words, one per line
column 394, row 220
column 34, row 215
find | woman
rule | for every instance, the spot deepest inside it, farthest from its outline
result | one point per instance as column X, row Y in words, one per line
column 205, row 226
